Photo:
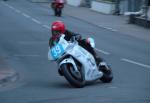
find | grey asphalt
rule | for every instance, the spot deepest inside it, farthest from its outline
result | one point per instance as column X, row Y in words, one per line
column 7, row 74
column 24, row 43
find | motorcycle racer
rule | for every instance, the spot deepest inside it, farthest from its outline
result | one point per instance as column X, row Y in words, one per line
column 58, row 28
column 76, row 64
column 57, row 5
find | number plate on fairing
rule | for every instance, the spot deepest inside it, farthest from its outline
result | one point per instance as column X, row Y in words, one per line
column 57, row 51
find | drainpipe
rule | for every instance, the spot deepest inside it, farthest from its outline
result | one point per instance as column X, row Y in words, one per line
column 88, row 3
column 145, row 8
column 117, row 7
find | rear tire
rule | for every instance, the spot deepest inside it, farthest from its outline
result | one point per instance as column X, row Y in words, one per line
column 74, row 80
column 55, row 12
column 60, row 12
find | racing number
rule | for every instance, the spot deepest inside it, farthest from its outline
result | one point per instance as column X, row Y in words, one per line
column 56, row 51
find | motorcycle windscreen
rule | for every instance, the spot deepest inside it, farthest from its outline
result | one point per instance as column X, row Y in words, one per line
column 56, row 51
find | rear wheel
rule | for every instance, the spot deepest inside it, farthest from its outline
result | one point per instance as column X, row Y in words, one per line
column 76, row 79
column 59, row 12
column 55, row 12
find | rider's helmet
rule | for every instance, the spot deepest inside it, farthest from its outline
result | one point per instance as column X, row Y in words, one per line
column 57, row 28
column 59, row 1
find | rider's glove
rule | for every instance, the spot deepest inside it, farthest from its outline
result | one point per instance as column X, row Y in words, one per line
column 78, row 37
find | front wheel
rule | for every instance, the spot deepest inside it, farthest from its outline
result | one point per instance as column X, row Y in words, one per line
column 107, row 74
column 76, row 79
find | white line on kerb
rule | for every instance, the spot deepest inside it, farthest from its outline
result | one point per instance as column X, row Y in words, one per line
column 104, row 52
column 36, row 21
column 137, row 63
column 25, row 15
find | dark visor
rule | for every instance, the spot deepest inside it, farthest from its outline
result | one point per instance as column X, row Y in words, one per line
column 55, row 32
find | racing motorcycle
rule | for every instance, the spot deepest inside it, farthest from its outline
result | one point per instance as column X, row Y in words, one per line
column 76, row 64
column 57, row 6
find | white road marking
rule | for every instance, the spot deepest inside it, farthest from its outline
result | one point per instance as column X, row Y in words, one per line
column 32, row 42
column 10, row 7
column 137, row 63
column 112, row 87
column 36, row 21
column 23, row 55
column 25, row 15
column 5, row 4
column 104, row 52
column 18, row 11
column 46, row 26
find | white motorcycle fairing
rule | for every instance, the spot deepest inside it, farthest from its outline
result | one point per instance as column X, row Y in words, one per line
column 89, row 66
column 69, row 60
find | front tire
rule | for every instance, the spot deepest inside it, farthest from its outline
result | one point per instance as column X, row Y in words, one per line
column 76, row 80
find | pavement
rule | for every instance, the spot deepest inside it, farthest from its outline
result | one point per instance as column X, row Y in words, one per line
column 109, row 22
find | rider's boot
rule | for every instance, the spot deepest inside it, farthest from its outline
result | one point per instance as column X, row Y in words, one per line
column 101, row 64
column 103, row 67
